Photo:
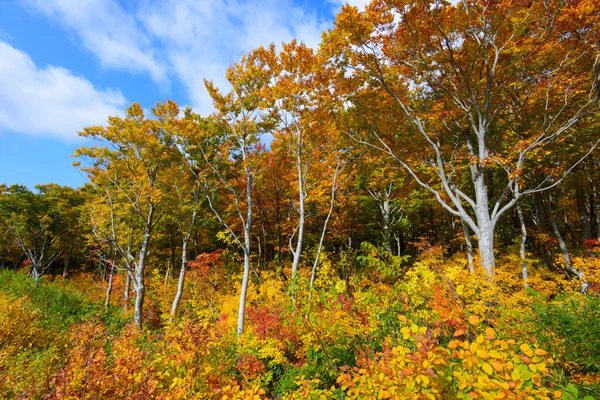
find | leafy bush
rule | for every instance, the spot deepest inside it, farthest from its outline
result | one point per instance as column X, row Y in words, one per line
column 569, row 326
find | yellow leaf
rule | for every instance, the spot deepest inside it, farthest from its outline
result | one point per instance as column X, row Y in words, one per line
column 473, row 319
column 515, row 375
column 526, row 350
column 487, row 368
column 405, row 333
column 533, row 367
column 495, row 354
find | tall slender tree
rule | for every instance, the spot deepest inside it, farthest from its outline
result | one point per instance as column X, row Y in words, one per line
column 230, row 156
column 129, row 175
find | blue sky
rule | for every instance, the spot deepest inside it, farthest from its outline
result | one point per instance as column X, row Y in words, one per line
column 67, row 64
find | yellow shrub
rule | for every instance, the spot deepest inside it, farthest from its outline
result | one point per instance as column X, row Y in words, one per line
column 484, row 367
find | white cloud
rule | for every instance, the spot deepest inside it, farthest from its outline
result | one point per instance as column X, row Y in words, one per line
column 201, row 39
column 108, row 31
column 183, row 39
column 51, row 100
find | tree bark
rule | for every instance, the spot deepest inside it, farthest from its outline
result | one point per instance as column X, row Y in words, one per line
column 386, row 213
column 563, row 248
column 184, row 260
column 301, row 211
column 469, row 246
column 596, row 201
column 171, row 263
column 383, row 198
column 247, row 228
column 167, row 275
column 398, row 239
column 584, row 214
column 110, row 285
column 126, row 291
column 35, row 273
column 561, row 243
column 140, row 287
column 322, row 239
column 485, row 224
column 524, row 271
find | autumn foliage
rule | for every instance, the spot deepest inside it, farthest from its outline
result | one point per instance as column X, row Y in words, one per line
column 430, row 333
column 410, row 211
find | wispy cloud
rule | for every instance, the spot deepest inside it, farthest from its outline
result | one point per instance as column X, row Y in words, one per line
column 186, row 40
column 5, row 36
column 49, row 100
column 108, row 31
column 202, row 38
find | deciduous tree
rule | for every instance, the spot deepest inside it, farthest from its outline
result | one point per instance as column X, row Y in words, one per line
column 129, row 175
column 461, row 77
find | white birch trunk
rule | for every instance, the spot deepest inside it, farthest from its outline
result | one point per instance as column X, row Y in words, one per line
column 126, row 291
column 485, row 225
column 110, row 285
column 247, row 227
column 524, row 271
column 467, row 234
column 184, row 260
column 140, row 288
column 301, row 211
column 563, row 248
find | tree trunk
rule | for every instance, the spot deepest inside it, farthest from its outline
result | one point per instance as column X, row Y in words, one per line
column 596, row 201
column 563, row 248
column 243, row 293
column 322, row 239
column 110, row 285
column 584, row 214
column 65, row 268
column 522, row 245
column 181, row 282
column 383, row 202
column 561, row 243
column 302, row 196
column 184, row 260
column 126, row 291
column 247, row 230
column 35, row 273
column 485, row 224
column 397, row 237
column 486, row 244
column 469, row 246
column 171, row 263
column 167, row 275
column 140, row 289
column 386, row 214
column 260, row 252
